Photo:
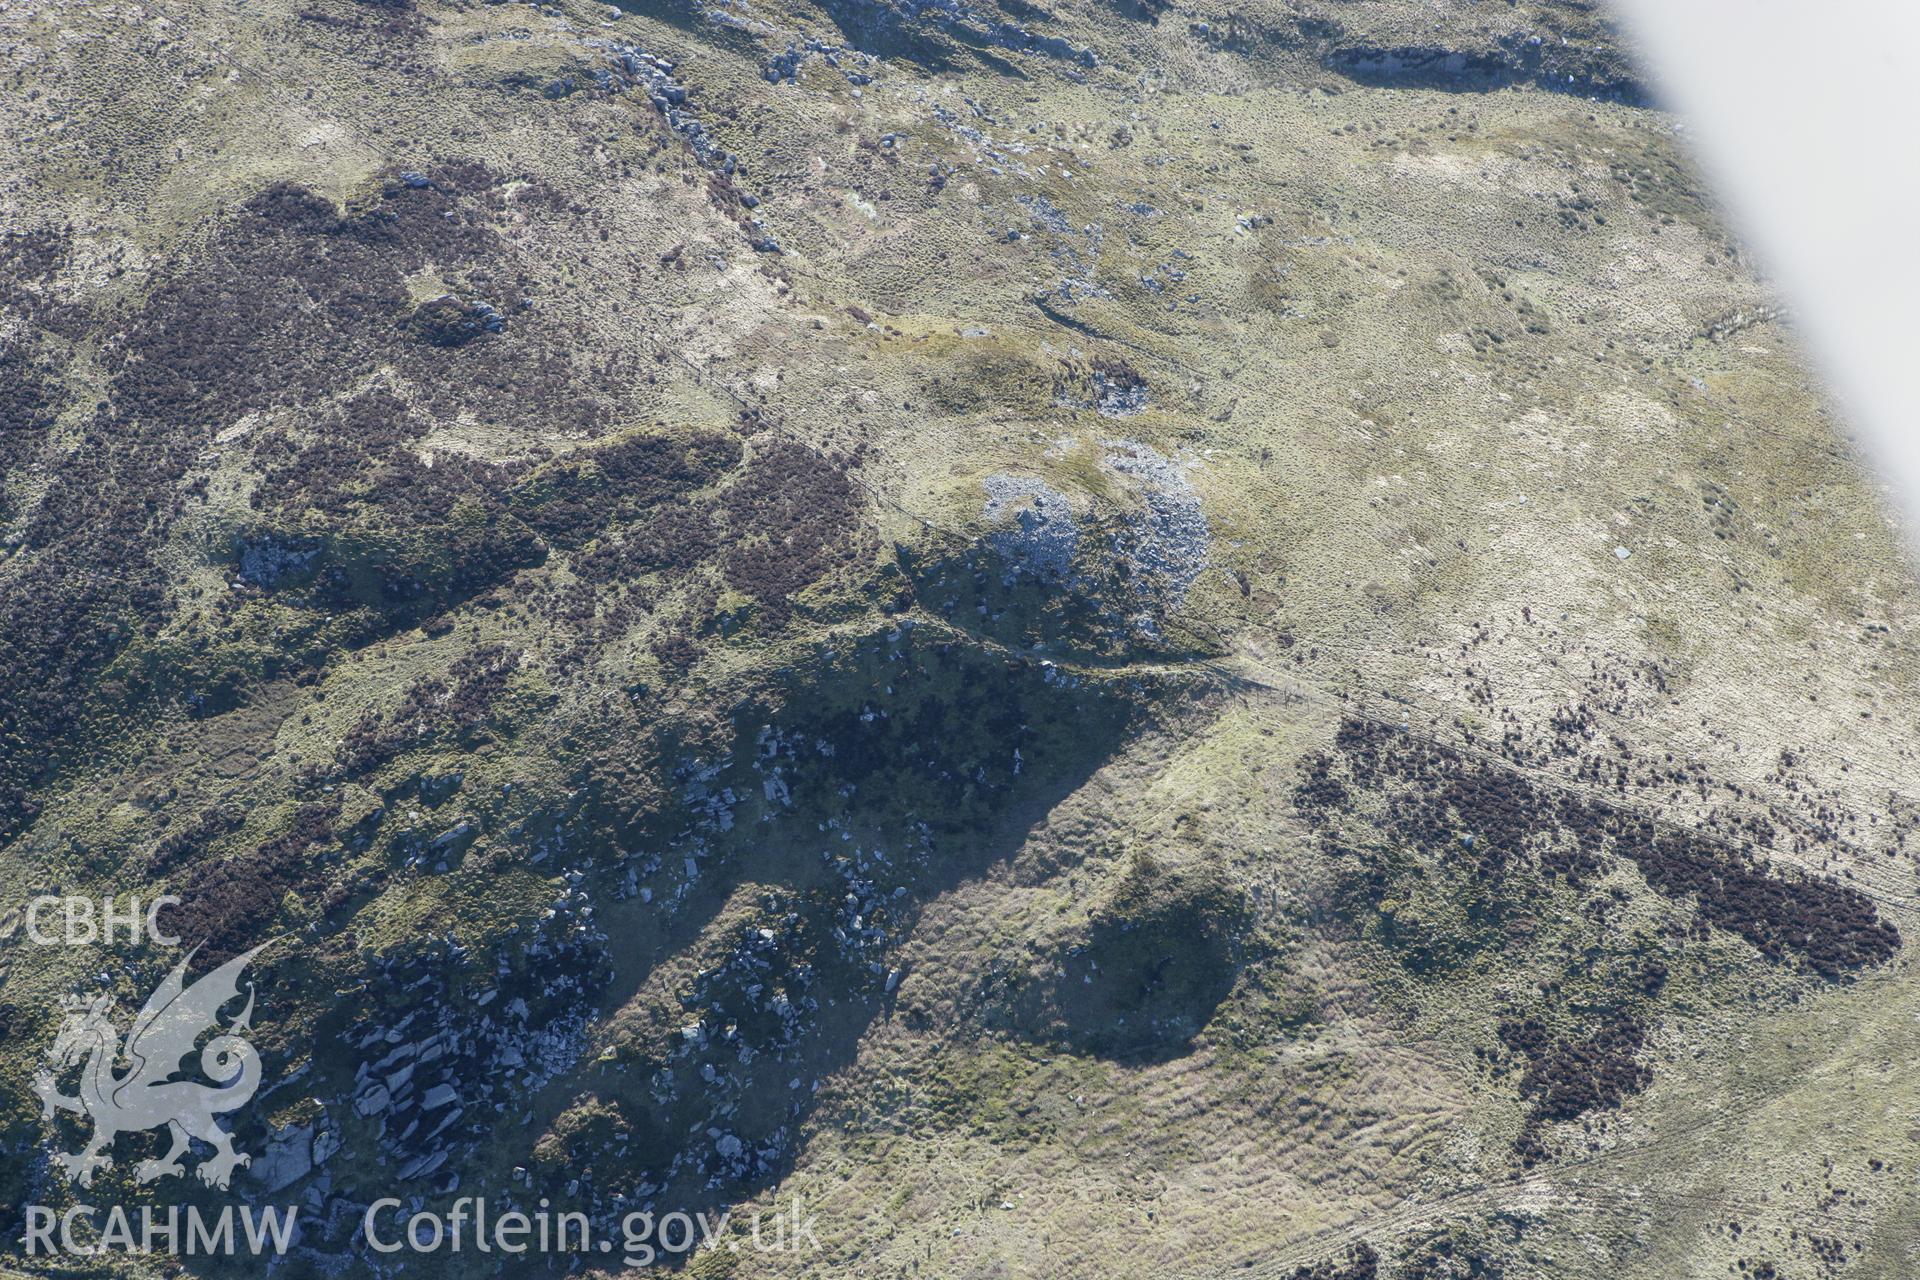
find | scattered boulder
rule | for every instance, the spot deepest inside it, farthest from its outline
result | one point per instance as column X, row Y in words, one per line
column 448, row 321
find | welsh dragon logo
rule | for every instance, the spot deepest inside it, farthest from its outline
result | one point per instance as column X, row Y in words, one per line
column 147, row 1095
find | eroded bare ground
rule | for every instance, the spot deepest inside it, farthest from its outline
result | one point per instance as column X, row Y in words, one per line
column 1106, row 640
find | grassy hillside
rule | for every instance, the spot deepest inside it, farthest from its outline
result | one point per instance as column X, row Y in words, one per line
column 1104, row 639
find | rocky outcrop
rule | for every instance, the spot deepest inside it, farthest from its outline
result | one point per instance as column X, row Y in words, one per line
column 1514, row 60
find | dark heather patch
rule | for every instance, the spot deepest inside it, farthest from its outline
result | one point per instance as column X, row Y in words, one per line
column 293, row 306
column 1568, row 1078
column 30, row 257
column 1448, row 1258
column 297, row 302
column 230, row 906
column 793, row 515
column 29, row 261
column 27, row 411
column 569, row 499
column 672, row 537
column 368, row 429
column 1359, row 1263
column 1436, row 797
